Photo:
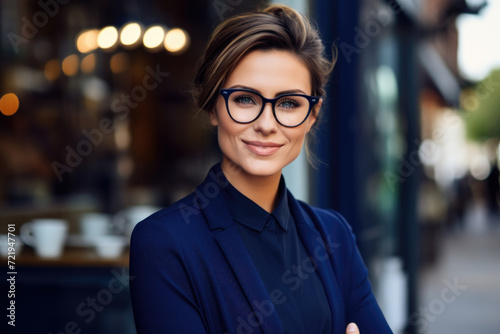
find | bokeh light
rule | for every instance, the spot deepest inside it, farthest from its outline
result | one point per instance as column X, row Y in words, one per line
column 87, row 41
column 88, row 64
column 153, row 37
column 480, row 168
column 130, row 34
column 70, row 65
column 477, row 54
column 52, row 69
column 118, row 63
column 176, row 40
column 9, row 104
column 107, row 37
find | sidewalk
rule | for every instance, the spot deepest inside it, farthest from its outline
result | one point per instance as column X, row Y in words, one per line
column 461, row 293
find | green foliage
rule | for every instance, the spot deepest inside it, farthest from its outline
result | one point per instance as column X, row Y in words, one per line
column 481, row 108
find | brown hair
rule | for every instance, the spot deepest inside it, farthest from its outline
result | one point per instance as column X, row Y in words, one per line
column 277, row 27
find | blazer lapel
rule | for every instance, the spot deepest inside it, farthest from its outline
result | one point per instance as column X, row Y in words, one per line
column 313, row 240
column 217, row 214
column 244, row 269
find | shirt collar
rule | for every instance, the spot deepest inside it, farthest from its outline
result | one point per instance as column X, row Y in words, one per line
column 249, row 213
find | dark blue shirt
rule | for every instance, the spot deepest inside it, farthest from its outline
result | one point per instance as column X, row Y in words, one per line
column 287, row 270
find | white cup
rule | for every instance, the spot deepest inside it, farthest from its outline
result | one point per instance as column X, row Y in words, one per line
column 109, row 246
column 126, row 220
column 4, row 245
column 47, row 236
column 93, row 225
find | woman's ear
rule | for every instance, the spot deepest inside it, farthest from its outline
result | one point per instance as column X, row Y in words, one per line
column 213, row 117
column 314, row 115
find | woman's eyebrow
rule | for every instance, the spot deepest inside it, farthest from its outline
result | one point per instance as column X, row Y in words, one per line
column 290, row 91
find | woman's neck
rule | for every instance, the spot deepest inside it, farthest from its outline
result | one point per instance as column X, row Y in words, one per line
column 263, row 190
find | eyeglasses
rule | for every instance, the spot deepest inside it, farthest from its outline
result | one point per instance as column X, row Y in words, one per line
column 245, row 106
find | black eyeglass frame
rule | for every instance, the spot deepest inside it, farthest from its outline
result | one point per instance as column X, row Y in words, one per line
column 313, row 100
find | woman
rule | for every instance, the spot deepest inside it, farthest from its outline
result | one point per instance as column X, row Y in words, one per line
column 241, row 254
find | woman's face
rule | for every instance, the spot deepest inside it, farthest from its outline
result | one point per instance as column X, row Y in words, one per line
column 264, row 147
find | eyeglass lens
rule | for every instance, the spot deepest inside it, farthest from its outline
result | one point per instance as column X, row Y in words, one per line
column 245, row 107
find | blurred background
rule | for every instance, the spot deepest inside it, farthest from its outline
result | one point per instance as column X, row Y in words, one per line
column 98, row 130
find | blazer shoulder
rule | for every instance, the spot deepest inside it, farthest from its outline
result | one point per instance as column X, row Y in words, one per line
column 174, row 219
column 328, row 219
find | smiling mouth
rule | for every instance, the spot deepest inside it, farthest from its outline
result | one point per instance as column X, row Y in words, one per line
column 262, row 148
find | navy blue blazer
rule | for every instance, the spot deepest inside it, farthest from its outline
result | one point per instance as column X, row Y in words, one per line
column 191, row 273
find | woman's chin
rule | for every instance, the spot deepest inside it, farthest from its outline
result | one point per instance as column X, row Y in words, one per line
column 262, row 168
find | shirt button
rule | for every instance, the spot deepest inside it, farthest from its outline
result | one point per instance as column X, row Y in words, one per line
column 270, row 224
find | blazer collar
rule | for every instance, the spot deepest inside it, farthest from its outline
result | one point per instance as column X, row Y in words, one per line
column 210, row 199
column 212, row 203
column 317, row 241
column 247, row 212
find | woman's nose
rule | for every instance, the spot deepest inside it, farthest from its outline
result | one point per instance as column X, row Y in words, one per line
column 266, row 122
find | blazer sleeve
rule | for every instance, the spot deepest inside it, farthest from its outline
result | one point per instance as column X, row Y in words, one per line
column 163, row 298
column 362, row 307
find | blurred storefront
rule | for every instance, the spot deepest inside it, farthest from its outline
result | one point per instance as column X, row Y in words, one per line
column 96, row 118
column 396, row 70
column 373, row 124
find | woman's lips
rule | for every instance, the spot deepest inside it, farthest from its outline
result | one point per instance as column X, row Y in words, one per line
column 262, row 148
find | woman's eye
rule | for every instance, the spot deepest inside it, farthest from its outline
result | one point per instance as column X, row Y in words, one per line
column 244, row 100
column 288, row 104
